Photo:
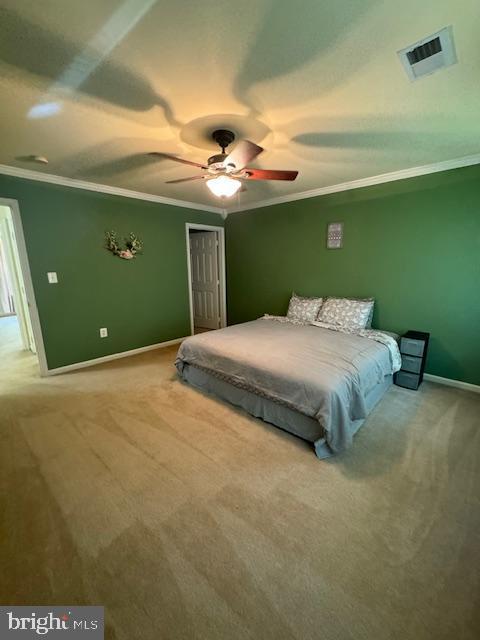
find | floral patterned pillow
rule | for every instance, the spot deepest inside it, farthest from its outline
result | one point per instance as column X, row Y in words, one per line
column 346, row 313
column 370, row 317
column 303, row 310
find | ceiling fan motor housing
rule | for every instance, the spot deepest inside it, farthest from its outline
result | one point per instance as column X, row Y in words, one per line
column 217, row 158
column 216, row 162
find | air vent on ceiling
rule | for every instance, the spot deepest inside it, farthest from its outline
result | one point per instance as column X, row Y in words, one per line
column 429, row 55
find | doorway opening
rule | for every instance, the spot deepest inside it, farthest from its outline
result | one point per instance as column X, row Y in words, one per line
column 20, row 334
column 206, row 277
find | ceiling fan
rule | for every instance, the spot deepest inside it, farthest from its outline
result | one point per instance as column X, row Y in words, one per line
column 225, row 172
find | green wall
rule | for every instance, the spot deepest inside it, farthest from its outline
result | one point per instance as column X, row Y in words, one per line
column 141, row 302
column 412, row 244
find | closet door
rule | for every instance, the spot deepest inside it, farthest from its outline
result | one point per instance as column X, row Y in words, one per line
column 205, row 282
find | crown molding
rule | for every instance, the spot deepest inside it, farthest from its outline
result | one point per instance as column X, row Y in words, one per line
column 28, row 174
column 413, row 172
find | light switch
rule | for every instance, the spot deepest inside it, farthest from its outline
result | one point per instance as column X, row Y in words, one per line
column 52, row 277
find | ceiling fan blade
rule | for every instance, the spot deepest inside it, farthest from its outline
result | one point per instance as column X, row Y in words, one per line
column 158, row 154
column 185, row 179
column 270, row 174
column 244, row 152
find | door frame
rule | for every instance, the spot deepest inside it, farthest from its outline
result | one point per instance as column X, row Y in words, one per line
column 27, row 281
column 221, row 271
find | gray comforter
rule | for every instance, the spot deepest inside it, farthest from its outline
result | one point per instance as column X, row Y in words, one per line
column 323, row 374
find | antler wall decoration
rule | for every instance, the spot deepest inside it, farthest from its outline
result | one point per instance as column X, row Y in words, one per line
column 129, row 250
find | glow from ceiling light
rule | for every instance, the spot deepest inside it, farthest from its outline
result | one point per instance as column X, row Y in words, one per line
column 223, row 186
column 44, row 110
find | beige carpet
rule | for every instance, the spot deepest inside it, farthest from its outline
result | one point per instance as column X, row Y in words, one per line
column 185, row 518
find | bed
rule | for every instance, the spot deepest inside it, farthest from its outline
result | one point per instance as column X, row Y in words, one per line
column 314, row 382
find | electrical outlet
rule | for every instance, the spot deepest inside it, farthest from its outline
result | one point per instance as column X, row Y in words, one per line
column 52, row 277
column 103, row 332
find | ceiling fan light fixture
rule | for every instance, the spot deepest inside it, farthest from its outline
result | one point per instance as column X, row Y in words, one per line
column 224, row 170
column 223, row 186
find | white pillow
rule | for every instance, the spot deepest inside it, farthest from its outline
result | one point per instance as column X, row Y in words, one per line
column 303, row 310
column 346, row 313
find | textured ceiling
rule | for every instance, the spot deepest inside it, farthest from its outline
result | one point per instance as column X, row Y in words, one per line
column 95, row 85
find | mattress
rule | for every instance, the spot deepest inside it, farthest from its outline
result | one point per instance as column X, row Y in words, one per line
column 330, row 377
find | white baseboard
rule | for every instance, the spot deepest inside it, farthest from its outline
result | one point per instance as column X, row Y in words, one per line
column 467, row 386
column 113, row 356
column 449, row 382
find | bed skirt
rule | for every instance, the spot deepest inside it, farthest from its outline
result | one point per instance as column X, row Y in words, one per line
column 280, row 416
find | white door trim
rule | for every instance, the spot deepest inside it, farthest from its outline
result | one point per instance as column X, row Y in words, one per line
column 27, row 280
column 221, row 270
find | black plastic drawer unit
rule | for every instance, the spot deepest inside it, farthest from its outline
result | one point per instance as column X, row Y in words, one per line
column 407, row 380
column 413, row 348
column 411, row 363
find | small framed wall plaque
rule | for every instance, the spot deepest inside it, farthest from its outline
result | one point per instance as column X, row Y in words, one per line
column 335, row 235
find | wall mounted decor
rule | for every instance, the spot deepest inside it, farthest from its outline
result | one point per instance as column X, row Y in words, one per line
column 335, row 235
column 129, row 250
